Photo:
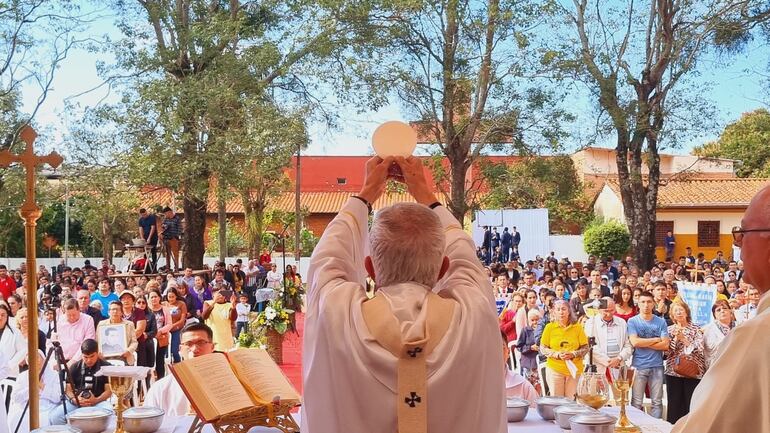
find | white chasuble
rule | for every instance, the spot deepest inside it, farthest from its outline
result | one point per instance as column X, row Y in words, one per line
column 351, row 380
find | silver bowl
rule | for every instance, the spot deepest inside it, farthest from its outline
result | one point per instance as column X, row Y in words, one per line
column 90, row 419
column 517, row 409
column 143, row 419
column 564, row 413
column 597, row 422
column 546, row 405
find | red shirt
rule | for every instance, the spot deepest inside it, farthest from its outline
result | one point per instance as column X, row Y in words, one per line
column 7, row 286
column 265, row 258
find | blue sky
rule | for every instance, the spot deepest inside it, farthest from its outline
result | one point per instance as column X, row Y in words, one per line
column 737, row 88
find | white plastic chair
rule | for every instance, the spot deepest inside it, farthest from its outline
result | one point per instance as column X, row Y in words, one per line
column 6, row 386
column 541, row 368
column 512, row 355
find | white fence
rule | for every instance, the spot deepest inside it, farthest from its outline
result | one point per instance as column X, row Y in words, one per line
column 122, row 262
column 570, row 246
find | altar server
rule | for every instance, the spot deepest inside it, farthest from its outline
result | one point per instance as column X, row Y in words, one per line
column 424, row 354
column 735, row 391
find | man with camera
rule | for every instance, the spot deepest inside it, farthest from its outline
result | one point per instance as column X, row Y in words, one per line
column 85, row 389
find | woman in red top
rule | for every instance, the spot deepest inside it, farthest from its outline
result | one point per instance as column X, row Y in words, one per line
column 624, row 304
column 508, row 316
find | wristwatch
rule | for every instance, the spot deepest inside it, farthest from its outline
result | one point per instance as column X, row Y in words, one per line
column 366, row 202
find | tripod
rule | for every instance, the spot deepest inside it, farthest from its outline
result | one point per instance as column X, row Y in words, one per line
column 59, row 355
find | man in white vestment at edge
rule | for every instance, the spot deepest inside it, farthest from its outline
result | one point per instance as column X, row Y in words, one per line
column 734, row 394
column 423, row 355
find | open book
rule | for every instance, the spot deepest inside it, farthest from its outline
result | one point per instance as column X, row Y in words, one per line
column 219, row 384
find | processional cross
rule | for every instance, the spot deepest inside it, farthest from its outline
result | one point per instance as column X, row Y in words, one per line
column 30, row 212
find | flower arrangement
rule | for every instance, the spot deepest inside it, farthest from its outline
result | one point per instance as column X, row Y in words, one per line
column 274, row 317
column 291, row 293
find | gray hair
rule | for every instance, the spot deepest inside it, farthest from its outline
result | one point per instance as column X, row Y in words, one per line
column 407, row 244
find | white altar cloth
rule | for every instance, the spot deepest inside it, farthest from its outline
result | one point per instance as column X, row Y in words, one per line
column 532, row 424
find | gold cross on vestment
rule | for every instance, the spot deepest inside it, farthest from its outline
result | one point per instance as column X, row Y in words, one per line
column 30, row 212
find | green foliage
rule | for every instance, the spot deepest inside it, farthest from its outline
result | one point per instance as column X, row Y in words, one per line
column 106, row 205
column 607, row 239
column 540, row 182
column 307, row 240
column 748, row 140
column 236, row 241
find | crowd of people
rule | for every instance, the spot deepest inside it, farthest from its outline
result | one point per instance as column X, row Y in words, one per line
column 639, row 319
column 98, row 318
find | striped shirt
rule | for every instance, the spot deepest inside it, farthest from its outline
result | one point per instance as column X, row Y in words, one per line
column 172, row 228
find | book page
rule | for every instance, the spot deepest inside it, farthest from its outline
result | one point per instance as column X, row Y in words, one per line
column 211, row 386
column 261, row 376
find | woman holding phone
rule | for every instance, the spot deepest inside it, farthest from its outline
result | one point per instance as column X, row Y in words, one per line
column 219, row 316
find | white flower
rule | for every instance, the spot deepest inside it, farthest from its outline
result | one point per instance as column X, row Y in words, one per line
column 270, row 313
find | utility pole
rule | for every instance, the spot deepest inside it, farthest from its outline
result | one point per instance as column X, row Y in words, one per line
column 297, row 215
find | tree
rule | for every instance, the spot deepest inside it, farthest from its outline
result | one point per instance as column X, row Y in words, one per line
column 193, row 65
column 748, row 140
column 105, row 204
column 540, row 182
column 264, row 145
column 457, row 67
column 607, row 239
column 235, row 242
column 633, row 58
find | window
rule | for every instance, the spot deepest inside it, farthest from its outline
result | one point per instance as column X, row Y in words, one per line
column 342, row 181
column 708, row 233
column 661, row 228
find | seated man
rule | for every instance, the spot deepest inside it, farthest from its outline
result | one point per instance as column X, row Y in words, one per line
column 196, row 340
column 90, row 390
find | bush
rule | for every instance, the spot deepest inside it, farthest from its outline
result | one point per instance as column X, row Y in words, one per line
column 607, row 239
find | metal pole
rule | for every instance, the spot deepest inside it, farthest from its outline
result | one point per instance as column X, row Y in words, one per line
column 297, row 216
column 66, row 224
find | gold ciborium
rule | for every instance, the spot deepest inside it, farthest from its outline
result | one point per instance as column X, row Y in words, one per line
column 122, row 380
column 623, row 384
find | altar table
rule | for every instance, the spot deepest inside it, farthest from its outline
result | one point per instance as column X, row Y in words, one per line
column 532, row 424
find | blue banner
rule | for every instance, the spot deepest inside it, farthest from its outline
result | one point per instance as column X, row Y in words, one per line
column 700, row 298
column 500, row 304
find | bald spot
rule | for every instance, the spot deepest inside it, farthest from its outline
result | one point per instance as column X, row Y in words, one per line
column 759, row 208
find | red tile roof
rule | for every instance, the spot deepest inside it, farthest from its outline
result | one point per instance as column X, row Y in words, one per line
column 312, row 202
column 715, row 193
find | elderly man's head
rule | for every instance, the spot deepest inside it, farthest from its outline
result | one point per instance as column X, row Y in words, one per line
column 755, row 245
column 407, row 245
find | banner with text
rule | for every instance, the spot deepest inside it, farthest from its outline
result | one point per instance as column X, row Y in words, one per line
column 700, row 298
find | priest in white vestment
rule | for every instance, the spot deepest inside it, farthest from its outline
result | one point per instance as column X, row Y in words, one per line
column 424, row 354
column 734, row 394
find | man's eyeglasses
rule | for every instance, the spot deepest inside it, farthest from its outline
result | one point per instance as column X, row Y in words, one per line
column 738, row 232
column 197, row 343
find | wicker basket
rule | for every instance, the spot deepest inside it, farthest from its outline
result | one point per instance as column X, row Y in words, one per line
column 275, row 345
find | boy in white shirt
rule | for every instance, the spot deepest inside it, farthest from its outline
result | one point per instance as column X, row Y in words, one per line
column 242, row 321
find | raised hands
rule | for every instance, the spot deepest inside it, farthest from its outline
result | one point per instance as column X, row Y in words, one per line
column 412, row 173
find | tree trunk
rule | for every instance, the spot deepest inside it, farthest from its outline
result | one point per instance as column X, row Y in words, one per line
column 107, row 240
column 222, row 222
column 457, row 203
column 255, row 214
column 195, row 229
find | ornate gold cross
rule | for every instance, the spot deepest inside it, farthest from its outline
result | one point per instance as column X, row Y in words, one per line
column 30, row 212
